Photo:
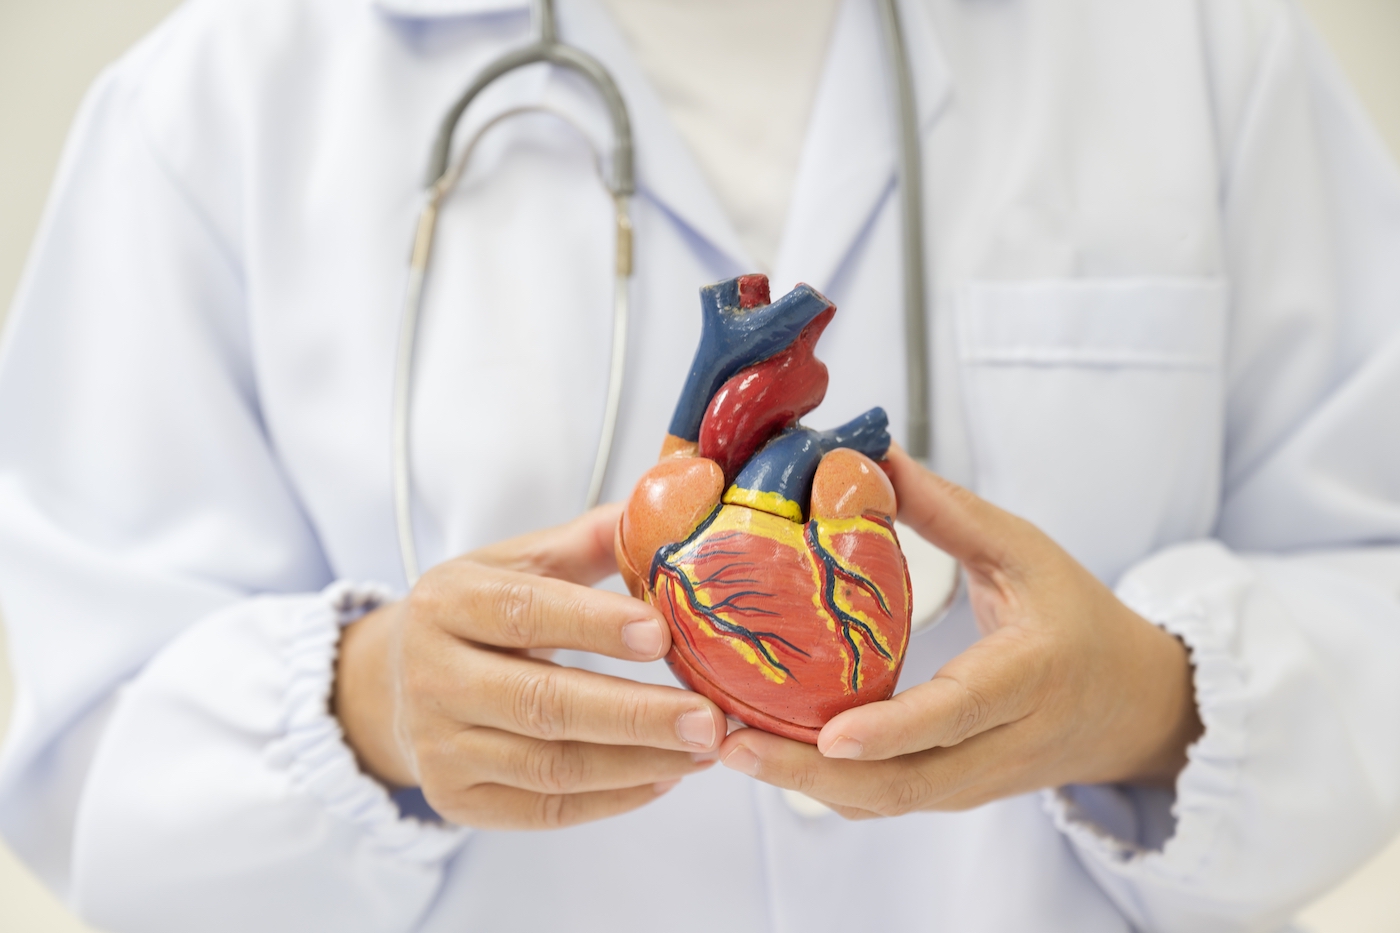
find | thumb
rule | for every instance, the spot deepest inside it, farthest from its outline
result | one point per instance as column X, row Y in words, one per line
column 580, row 551
column 973, row 531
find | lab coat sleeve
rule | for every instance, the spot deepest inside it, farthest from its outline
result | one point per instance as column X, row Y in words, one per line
column 172, row 621
column 1292, row 612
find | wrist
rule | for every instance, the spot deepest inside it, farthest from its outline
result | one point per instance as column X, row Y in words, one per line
column 1172, row 720
column 364, row 697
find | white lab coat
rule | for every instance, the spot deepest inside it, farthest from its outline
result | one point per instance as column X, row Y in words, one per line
column 1164, row 255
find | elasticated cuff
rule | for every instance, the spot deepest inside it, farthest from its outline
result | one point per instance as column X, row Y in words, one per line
column 312, row 748
column 1188, row 592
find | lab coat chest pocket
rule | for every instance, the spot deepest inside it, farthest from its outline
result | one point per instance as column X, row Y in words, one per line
column 1096, row 409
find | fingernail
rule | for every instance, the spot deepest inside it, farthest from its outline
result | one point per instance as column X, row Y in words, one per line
column 704, row 758
column 643, row 638
column 845, row 747
column 661, row 787
column 697, row 727
column 741, row 759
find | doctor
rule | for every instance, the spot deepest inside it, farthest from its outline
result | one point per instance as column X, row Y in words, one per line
column 1165, row 333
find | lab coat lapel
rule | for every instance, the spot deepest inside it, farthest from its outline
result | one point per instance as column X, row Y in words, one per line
column 666, row 169
column 849, row 157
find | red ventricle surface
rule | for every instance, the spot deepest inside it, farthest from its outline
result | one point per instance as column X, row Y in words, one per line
column 785, row 624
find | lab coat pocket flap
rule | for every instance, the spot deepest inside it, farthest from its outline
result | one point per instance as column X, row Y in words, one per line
column 1175, row 323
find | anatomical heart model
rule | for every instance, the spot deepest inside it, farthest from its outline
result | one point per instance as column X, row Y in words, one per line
column 769, row 547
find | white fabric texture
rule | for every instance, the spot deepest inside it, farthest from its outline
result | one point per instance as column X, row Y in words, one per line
column 244, row 695
column 737, row 77
column 1165, row 316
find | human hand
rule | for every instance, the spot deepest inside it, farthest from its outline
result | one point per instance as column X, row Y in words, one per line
column 446, row 689
column 1068, row 685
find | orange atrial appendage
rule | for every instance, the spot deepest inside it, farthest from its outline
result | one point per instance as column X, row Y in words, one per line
column 668, row 503
column 849, row 484
column 635, row 584
column 677, row 447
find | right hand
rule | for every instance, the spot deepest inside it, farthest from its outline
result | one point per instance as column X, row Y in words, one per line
column 446, row 691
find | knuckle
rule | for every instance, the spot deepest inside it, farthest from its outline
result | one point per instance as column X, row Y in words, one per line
column 905, row 794
column 635, row 713
column 552, row 811
column 541, row 703
column 514, row 605
column 557, row 767
column 973, row 710
column 805, row 780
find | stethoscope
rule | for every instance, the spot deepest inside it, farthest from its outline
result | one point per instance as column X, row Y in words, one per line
column 444, row 173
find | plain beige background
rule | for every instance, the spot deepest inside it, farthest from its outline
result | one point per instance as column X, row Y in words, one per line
column 50, row 50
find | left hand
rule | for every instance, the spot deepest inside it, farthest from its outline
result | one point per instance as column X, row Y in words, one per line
column 1067, row 686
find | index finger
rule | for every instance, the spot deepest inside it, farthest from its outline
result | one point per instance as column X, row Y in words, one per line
column 509, row 609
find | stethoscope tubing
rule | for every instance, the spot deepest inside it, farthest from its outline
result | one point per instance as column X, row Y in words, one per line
column 442, row 177
column 405, row 367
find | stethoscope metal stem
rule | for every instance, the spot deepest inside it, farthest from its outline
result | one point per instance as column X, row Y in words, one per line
column 918, row 433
